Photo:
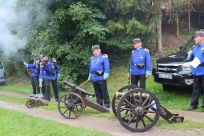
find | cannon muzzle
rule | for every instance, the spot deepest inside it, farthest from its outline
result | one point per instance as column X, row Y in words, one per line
column 76, row 87
column 67, row 83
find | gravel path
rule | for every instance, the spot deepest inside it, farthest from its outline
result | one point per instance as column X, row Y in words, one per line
column 102, row 124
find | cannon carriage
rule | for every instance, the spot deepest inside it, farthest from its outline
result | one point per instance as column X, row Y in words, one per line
column 72, row 104
column 137, row 109
column 34, row 101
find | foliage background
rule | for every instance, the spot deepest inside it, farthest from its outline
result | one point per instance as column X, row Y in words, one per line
column 66, row 30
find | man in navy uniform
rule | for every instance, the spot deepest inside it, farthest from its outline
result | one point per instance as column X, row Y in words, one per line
column 197, row 72
column 140, row 64
column 35, row 71
column 99, row 72
column 43, row 87
column 49, row 71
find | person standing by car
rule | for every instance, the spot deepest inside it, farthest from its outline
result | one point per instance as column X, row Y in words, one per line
column 50, row 72
column 99, row 72
column 198, row 72
column 140, row 64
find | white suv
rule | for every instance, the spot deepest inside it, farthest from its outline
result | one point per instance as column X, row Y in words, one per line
column 2, row 74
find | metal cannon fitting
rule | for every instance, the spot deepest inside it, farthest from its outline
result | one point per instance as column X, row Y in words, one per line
column 136, row 95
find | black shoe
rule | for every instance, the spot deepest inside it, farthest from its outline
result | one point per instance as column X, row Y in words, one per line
column 203, row 109
column 56, row 100
column 43, row 98
column 107, row 106
column 192, row 108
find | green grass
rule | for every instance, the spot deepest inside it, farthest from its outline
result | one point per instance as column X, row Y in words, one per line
column 187, row 125
column 13, row 99
column 176, row 99
column 18, row 124
column 23, row 88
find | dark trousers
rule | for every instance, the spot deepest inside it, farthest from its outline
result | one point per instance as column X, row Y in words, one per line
column 198, row 88
column 35, row 84
column 101, row 91
column 43, row 87
column 136, row 78
column 47, row 88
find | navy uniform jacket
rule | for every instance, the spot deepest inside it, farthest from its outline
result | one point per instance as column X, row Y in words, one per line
column 50, row 71
column 99, row 64
column 34, row 69
column 197, row 52
column 140, row 57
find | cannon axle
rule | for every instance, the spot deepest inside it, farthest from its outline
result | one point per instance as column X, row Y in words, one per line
column 138, row 111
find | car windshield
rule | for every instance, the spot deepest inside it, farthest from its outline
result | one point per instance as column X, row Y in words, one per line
column 190, row 45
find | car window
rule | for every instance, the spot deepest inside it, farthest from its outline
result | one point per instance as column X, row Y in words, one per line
column 1, row 66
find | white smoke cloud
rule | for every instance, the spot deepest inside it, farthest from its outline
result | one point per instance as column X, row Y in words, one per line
column 9, row 42
column 21, row 23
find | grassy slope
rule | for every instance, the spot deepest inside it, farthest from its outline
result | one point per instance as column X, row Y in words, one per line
column 175, row 99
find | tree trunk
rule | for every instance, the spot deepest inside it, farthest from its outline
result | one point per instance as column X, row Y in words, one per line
column 170, row 13
column 189, row 21
column 159, row 31
column 177, row 25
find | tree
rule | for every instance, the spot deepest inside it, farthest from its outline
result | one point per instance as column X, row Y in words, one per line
column 175, row 9
column 66, row 29
column 66, row 32
column 129, row 19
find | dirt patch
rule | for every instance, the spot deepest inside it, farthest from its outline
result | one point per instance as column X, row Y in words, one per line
column 171, row 40
column 101, row 124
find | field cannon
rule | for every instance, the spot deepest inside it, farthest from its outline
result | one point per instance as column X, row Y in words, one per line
column 34, row 101
column 72, row 104
column 138, row 109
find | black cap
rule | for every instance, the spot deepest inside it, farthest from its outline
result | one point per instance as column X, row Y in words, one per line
column 136, row 40
column 95, row 47
column 199, row 33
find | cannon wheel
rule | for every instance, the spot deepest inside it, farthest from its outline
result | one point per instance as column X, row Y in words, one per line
column 138, row 113
column 30, row 103
column 115, row 100
column 71, row 105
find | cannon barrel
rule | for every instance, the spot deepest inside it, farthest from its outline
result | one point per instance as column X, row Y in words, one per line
column 76, row 87
column 69, row 84
column 120, row 94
